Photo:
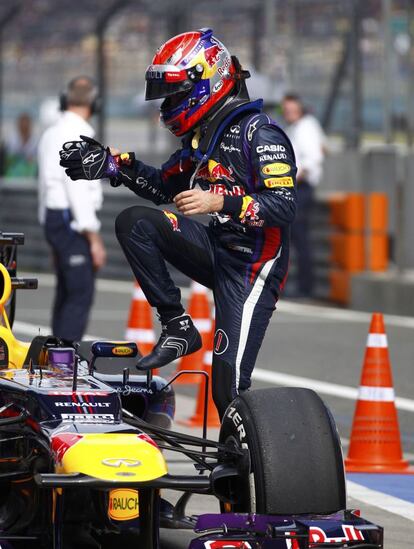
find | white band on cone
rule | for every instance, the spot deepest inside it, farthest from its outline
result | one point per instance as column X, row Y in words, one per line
column 377, row 340
column 376, row 394
column 197, row 288
column 202, row 324
column 208, row 358
column 140, row 334
column 139, row 294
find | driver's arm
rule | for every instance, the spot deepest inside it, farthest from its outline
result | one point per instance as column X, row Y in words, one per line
column 273, row 203
column 158, row 185
column 89, row 159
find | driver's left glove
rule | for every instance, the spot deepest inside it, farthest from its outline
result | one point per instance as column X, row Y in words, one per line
column 87, row 159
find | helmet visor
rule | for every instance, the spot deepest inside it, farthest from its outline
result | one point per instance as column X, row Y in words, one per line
column 164, row 81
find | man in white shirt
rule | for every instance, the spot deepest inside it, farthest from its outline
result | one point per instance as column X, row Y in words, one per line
column 67, row 209
column 308, row 142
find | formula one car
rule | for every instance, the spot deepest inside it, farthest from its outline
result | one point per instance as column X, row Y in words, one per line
column 82, row 459
column 8, row 258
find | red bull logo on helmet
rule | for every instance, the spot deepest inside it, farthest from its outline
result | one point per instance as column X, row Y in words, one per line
column 212, row 54
column 214, row 171
column 173, row 219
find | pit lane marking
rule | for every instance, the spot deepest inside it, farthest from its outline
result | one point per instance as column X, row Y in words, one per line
column 29, row 329
column 381, row 500
column 113, row 286
column 400, row 486
column 334, row 313
column 259, row 374
column 322, row 387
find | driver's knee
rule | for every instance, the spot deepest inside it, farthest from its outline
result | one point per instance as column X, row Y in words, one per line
column 223, row 384
column 130, row 218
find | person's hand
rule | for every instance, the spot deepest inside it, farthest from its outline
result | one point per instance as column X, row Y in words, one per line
column 87, row 159
column 97, row 250
column 198, row 202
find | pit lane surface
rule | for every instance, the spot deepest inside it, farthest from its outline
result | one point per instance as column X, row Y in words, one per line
column 304, row 342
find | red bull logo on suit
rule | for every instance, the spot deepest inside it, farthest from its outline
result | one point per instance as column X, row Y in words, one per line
column 173, row 219
column 214, row 171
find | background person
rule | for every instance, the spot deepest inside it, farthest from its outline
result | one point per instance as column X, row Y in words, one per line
column 308, row 139
column 68, row 211
column 21, row 149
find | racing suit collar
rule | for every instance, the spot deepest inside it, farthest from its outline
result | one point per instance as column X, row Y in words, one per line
column 219, row 123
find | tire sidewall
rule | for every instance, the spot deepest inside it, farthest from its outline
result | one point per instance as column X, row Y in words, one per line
column 238, row 425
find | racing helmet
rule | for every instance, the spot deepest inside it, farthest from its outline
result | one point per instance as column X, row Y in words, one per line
column 194, row 73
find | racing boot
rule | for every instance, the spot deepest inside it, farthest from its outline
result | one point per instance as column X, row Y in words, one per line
column 178, row 337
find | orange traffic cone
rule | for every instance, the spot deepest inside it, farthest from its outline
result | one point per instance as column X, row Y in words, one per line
column 140, row 325
column 213, row 419
column 199, row 310
column 375, row 445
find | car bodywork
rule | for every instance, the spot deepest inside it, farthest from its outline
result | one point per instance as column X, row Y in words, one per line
column 81, row 445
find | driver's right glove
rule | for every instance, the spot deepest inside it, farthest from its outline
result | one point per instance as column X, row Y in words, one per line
column 88, row 159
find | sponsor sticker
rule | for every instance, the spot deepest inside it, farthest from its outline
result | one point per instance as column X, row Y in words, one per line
column 213, row 171
column 70, row 404
column 220, row 188
column 252, row 129
column 173, row 219
column 270, row 148
column 122, row 351
column 125, row 159
column 272, row 157
column 217, row 86
column 277, row 168
column 273, row 182
column 236, row 418
column 250, row 212
column 350, row 533
column 88, row 418
column 123, row 504
column 224, row 69
column 212, row 54
column 221, row 342
column 229, row 148
column 227, row 544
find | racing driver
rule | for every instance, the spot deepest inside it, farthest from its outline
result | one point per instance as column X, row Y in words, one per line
column 234, row 164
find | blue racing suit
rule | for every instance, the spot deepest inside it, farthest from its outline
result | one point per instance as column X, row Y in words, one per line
column 242, row 255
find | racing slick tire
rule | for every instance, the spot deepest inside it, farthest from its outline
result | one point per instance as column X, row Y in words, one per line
column 296, row 464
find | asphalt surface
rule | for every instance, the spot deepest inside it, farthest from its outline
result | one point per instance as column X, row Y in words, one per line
column 318, row 343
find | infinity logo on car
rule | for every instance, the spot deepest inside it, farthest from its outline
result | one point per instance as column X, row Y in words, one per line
column 119, row 462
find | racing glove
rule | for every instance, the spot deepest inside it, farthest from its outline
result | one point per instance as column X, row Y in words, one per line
column 88, row 159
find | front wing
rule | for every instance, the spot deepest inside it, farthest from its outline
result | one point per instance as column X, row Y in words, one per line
column 242, row 531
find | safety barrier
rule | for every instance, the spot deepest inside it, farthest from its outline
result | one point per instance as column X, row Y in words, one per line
column 348, row 235
column 359, row 239
column 19, row 211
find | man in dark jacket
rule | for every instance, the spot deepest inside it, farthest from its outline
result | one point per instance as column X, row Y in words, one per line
column 244, row 168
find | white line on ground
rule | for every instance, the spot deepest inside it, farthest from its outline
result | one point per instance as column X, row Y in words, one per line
column 346, row 315
column 384, row 501
column 34, row 330
column 267, row 376
column 284, row 306
column 322, row 387
column 102, row 284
